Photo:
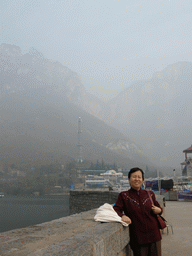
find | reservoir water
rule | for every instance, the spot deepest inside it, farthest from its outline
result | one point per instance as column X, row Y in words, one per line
column 23, row 211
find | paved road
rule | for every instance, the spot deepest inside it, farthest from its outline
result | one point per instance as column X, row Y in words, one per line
column 179, row 214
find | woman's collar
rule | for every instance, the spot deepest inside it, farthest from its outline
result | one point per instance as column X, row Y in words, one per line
column 134, row 190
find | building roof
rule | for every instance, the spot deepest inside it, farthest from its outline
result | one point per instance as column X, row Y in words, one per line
column 110, row 172
column 188, row 150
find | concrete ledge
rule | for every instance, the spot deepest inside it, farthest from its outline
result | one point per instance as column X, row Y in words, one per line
column 108, row 239
column 74, row 235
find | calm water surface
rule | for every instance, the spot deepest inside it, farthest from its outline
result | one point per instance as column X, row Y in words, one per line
column 23, row 211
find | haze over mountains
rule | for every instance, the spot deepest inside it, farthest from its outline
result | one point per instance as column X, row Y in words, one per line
column 154, row 113
column 41, row 100
column 39, row 118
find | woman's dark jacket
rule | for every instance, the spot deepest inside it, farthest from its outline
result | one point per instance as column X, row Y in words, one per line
column 137, row 206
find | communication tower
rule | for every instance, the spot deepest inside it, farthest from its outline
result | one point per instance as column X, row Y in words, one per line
column 80, row 160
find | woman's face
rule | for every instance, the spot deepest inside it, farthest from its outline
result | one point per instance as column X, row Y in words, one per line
column 136, row 180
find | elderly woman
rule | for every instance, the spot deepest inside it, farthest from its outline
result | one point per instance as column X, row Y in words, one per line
column 135, row 208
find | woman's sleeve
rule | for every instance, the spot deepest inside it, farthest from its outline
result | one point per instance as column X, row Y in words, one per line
column 156, row 202
column 118, row 207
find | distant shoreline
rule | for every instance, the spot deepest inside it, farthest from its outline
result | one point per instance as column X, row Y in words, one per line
column 58, row 194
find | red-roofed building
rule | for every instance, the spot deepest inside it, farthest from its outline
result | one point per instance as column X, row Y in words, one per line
column 187, row 151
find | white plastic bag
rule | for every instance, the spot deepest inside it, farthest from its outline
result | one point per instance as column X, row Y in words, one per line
column 106, row 213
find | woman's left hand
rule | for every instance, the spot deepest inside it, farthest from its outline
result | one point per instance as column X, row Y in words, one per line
column 156, row 209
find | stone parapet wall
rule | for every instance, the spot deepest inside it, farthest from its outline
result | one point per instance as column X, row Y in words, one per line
column 77, row 235
column 85, row 200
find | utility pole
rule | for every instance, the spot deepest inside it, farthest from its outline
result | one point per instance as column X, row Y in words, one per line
column 174, row 172
column 159, row 182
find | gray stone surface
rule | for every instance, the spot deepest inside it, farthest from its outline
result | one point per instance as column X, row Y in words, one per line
column 85, row 200
column 74, row 235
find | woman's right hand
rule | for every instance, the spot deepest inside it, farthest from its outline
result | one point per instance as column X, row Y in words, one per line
column 126, row 219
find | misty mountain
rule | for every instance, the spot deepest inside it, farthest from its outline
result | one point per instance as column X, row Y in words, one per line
column 40, row 107
column 155, row 113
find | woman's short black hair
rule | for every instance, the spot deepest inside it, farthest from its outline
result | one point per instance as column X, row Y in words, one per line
column 135, row 169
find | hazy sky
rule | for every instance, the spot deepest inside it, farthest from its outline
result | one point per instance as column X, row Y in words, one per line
column 109, row 43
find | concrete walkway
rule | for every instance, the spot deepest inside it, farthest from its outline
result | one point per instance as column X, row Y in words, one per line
column 179, row 214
